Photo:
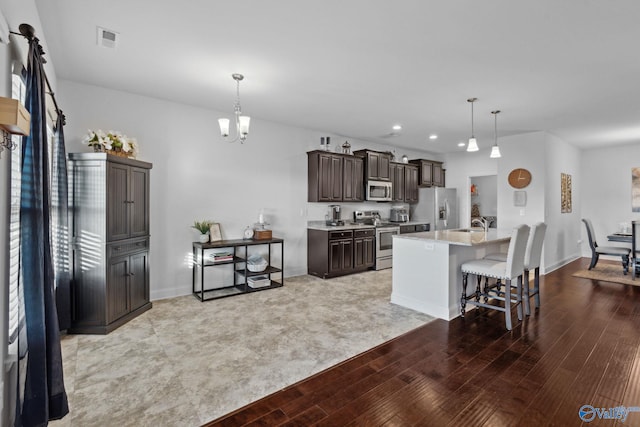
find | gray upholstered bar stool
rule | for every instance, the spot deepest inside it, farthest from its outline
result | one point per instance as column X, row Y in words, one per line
column 532, row 257
column 506, row 271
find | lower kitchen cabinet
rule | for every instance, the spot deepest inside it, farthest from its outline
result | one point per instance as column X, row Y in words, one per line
column 127, row 284
column 364, row 249
column 340, row 252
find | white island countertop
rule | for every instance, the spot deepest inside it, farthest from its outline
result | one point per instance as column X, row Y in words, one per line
column 468, row 237
column 426, row 266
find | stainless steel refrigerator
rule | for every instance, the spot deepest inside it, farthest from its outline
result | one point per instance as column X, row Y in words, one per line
column 438, row 206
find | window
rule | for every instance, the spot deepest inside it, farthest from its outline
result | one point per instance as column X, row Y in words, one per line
column 16, row 317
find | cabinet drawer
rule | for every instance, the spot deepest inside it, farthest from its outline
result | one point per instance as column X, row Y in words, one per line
column 369, row 232
column 344, row 234
column 122, row 248
column 407, row 229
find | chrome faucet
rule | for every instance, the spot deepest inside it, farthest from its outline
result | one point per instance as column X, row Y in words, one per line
column 484, row 222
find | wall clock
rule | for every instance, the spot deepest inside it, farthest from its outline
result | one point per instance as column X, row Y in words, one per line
column 519, row 178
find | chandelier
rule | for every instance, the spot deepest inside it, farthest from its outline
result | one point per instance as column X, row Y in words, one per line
column 242, row 122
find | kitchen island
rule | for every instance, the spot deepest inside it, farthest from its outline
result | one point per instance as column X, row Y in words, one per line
column 426, row 267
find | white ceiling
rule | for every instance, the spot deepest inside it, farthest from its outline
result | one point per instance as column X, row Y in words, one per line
column 356, row 67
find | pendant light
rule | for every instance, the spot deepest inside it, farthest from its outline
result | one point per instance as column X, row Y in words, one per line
column 241, row 122
column 473, row 144
column 495, row 150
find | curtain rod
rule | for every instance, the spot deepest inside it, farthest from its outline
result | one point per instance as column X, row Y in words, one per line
column 29, row 33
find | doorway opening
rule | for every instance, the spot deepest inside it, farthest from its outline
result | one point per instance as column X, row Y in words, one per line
column 483, row 198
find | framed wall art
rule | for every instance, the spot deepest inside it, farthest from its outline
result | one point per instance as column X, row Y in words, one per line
column 565, row 193
column 215, row 234
column 635, row 189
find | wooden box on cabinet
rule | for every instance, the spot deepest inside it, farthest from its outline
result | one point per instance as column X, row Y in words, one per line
column 109, row 240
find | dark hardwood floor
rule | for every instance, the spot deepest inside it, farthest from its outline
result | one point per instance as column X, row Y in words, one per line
column 581, row 347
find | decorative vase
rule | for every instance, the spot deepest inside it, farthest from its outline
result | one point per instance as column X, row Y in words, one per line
column 203, row 238
column 97, row 148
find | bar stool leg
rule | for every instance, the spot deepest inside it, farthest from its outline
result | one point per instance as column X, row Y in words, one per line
column 536, row 286
column 463, row 299
column 478, row 282
column 525, row 293
column 507, row 303
column 518, row 298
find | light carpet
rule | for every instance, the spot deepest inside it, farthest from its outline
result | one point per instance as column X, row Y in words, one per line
column 608, row 273
column 186, row 362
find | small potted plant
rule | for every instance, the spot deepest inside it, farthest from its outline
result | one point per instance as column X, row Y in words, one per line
column 203, row 228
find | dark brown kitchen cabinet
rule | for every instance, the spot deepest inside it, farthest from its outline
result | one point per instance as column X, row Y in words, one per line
column 332, row 253
column 109, row 198
column 353, row 185
column 341, row 256
column 411, row 183
column 334, row 177
column 376, row 165
column 430, row 173
column 405, row 182
column 364, row 249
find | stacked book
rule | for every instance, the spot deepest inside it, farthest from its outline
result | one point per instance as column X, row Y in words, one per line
column 258, row 281
column 219, row 256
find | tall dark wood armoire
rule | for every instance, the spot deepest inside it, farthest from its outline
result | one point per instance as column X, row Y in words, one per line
column 109, row 197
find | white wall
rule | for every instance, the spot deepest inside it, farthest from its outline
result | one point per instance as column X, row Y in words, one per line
column 606, row 190
column 196, row 175
column 563, row 229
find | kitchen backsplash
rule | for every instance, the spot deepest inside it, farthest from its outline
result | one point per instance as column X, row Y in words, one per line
column 317, row 211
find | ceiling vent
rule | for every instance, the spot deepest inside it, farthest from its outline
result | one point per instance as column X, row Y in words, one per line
column 107, row 38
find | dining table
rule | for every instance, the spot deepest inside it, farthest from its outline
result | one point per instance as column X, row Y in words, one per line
column 620, row 237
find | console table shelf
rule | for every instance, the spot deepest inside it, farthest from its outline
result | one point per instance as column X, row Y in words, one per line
column 240, row 249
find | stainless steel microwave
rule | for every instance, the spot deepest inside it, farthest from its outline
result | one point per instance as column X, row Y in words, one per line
column 379, row 191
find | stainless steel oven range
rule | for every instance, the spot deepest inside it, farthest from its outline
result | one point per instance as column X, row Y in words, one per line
column 384, row 245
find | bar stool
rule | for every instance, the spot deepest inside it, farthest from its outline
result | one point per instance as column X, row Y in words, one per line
column 506, row 271
column 532, row 257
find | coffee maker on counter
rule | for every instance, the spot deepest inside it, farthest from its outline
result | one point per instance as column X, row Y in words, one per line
column 333, row 217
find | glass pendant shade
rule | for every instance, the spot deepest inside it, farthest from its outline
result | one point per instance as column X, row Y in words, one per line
column 224, row 127
column 495, row 152
column 473, row 145
column 243, row 123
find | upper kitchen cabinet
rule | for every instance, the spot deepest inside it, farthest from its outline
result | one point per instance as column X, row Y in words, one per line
column 352, row 174
column 334, row 177
column 430, row 173
column 405, row 182
column 376, row 165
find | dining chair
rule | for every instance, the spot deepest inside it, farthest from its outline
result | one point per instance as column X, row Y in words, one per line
column 506, row 271
column 596, row 250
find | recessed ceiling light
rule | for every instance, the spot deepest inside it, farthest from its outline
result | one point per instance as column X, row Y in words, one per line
column 397, row 127
column 433, row 136
column 461, row 144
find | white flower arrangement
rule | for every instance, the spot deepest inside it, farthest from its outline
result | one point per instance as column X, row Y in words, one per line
column 111, row 141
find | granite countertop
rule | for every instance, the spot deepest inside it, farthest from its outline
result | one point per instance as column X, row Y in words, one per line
column 320, row 225
column 461, row 238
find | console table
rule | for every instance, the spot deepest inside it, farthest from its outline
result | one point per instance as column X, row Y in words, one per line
column 234, row 277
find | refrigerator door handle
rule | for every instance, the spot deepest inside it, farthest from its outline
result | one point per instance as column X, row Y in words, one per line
column 446, row 212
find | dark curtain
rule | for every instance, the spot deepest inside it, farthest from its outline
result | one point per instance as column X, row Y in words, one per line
column 41, row 387
column 59, row 184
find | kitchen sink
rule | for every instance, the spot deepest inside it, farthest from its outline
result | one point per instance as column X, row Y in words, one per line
column 470, row 230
